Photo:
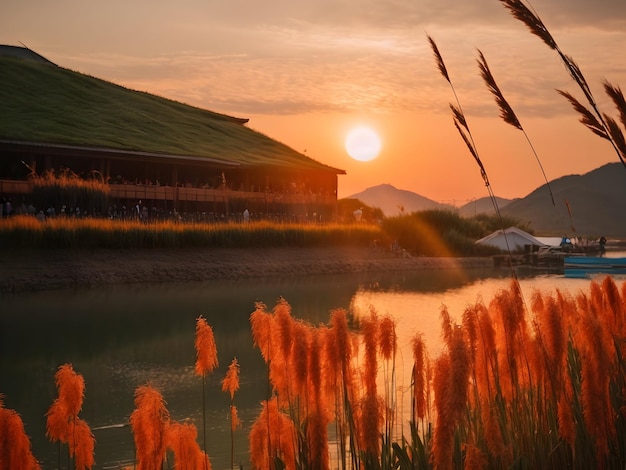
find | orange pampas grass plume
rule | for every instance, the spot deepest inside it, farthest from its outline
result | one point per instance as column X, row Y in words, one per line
column 451, row 384
column 206, row 351
column 230, row 384
column 63, row 424
column 81, row 444
column 419, row 390
column 206, row 362
column 180, row 438
column 15, row 449
column 271, row 438
column 148, row 423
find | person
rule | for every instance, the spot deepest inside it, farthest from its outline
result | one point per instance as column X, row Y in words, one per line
column 246, row 216
column 602, row 245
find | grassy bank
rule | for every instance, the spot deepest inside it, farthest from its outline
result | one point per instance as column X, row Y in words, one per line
column 429, row 233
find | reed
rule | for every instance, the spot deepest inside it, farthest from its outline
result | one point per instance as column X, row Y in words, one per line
column 149, row 422
column 539, row 387
column 63, row 424
column 66, row 190
column 206, row 362
column 15, row 447
column 230, row 384
column 598, row 122
column 64, row 232
column 506, row 111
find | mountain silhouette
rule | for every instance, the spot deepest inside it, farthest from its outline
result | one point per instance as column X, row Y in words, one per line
column 588, row 205
column 393, row 201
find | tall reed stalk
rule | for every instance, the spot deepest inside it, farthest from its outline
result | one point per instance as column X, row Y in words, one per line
column 230, row 384
column 63, row 424
column 506, row 111
column 206, row 362
column 598, row 122
column 15, row 446
column 460, row 122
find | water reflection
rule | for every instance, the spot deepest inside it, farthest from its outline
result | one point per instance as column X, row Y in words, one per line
column 120, row 338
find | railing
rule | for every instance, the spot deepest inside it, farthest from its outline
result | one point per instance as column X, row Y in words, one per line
column 168, row 193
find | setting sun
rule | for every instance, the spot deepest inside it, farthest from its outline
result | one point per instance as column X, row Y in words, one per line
column 363, row 144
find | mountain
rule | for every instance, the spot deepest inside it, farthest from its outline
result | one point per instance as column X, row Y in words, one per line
column 587, row 205
column 591, row 205
column 483, row 205
column 393, row 201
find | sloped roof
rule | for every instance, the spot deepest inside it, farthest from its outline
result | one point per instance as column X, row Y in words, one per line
column 513, row 236
column 46, row 104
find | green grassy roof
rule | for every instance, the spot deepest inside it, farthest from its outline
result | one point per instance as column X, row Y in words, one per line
column 44, row 103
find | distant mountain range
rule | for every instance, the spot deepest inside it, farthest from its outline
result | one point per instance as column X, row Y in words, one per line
column 591, row 204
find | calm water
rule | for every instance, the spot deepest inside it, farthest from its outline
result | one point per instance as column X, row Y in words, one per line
column 120, row 338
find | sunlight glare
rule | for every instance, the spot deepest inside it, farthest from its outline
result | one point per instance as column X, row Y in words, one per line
column 363, row 144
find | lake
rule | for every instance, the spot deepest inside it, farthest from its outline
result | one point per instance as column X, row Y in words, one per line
column 124, row 336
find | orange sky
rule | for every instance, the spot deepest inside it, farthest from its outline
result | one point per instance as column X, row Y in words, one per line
column 305, row 72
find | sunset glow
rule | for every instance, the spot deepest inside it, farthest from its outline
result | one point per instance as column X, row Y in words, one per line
column 304, row 76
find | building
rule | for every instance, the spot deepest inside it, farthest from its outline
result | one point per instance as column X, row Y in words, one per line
column 170, row 156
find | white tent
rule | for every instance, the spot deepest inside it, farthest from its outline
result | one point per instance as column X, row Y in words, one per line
column 517, row 239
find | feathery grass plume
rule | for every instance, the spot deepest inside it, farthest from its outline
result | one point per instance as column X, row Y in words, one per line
column 607, row 126
column 565, row 414
column 230, row 384
column 148, row 422
column 62, row 421
column 318, row 417
column 300, row 356
column 451, row 384
column 180, row 438
column 81, row 444
column 587, row 117
column 285, row 331
column 15, row 446
column 613, row 306
column 261, row 325
column 271, row 439
column 419, row 389
column 551, row 334
column 617, row 137
column 369, row 329
column 206, row 362
column 487, row 374
column 489, row 416
column 506, row 111
column 597, row 355
column 338, row 356
column 206, row 351
column 439, row 59
column 460, row 122
column 615, row 93
column 475, row 459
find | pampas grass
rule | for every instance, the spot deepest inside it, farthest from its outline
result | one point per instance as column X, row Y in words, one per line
column 598, row 122
column 541, row 388
column 15, row 448
column 63, row 424
column 506, row 111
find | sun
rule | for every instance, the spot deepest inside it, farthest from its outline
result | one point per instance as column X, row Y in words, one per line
column 363, row 143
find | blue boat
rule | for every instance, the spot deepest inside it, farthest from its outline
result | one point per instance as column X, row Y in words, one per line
column 590, row 266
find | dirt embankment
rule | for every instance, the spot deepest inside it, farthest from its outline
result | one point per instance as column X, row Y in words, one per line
column 59, row 269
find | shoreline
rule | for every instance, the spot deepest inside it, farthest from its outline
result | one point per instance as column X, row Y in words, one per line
column 40, row 270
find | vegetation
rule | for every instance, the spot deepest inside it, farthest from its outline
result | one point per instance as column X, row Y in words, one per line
column 67, row 189
column 67, row 107
column 514, row 387
column 427, row 233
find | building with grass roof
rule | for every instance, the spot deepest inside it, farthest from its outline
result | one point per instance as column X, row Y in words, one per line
column 170, row 156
